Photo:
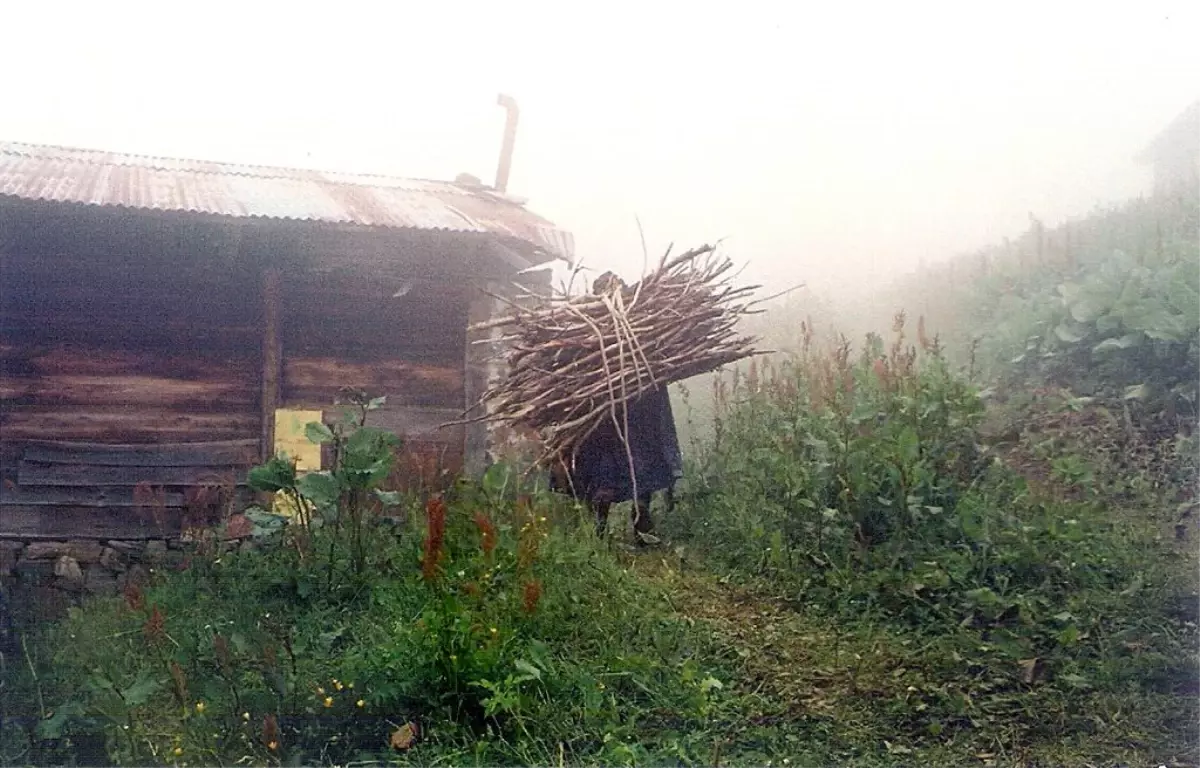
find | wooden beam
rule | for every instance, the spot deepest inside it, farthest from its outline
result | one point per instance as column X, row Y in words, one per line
column 272, row 359
column 32, row 473
column 481, row 306
column 222, row 453
column 37, row 522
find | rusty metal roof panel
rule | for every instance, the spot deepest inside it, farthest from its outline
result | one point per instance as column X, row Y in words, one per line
column 92, row 177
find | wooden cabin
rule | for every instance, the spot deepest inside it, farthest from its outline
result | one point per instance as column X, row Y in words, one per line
column 159, row 318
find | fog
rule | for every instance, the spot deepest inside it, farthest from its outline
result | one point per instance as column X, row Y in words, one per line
column 835, row 144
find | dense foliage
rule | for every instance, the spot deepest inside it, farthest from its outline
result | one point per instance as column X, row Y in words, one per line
column 901, row 553
column 492, row 630
column 860, row 489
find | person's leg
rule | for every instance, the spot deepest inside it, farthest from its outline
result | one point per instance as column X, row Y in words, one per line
column 601, row 510
column 642, row 522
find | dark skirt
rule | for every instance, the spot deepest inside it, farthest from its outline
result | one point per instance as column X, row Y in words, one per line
column 601, row 464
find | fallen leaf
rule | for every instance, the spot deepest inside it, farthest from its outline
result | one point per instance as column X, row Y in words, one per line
column 1031, row 670
column 404, row 736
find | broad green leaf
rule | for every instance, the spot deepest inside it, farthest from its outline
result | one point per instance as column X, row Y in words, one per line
column 264, row 519
column 909, row 443
column 388, row 498
column 496, row 478
column 529, row 671
column 1070, row 334
column 1138, row 392
column 1087, row 308
column 1151, row 315
column 276, row 475
column 321, row 488
column 1009, row 644
column 141, row 690
column 54, row 726
column 1070, row 292
column 983, row 596
column 1127, row 341
column 1185, row 300
column 318, row 433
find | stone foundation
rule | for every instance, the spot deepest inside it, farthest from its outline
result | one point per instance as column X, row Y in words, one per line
column 42, row 579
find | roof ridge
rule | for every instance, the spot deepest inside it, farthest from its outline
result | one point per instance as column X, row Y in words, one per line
column 92, row 156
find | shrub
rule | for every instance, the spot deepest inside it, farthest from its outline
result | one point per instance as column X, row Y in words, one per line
column 859, row 489
column 477, row 631
column 821, row 457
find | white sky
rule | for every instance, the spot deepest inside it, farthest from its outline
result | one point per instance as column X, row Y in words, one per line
column 829, row 142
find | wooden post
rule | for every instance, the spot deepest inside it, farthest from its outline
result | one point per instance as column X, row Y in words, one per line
column 272, row 359
column 480, row 307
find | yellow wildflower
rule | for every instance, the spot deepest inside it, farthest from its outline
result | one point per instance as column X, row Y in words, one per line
column 246, row 716
column 200, row 707
column 495, row 631
column 328, row 702
column 350, row 686
column 320, row 691
column 178, row 751
column 273, row 746
column 360, row 703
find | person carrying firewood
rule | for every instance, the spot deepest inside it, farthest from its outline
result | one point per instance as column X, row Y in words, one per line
column 640, row 437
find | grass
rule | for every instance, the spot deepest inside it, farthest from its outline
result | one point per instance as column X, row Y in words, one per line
column 870, row 563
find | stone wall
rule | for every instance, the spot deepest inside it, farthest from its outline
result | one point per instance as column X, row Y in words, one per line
column 42, row 579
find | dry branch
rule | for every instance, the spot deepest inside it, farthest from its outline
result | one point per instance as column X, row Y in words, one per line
column 574, row 363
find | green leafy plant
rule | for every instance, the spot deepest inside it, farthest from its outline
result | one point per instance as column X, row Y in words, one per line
column 342, row 499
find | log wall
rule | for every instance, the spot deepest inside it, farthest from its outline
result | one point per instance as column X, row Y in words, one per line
column 115, row 350
column 349, row 330
column 138, row 350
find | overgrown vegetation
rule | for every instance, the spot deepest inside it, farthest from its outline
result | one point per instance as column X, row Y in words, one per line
column 896, row 553
column 858, row 490
column 489, row 630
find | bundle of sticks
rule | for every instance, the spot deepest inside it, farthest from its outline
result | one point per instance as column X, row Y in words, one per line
column 574, row 363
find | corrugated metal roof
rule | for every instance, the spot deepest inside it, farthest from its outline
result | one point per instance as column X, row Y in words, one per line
column 91, row 177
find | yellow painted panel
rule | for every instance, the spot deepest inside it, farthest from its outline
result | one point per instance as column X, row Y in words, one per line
column 290, row 438
column 291, row 441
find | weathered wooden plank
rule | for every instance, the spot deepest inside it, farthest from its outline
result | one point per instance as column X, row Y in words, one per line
column 101, row 288
column 225, row 452
column 114, row 496
column 476, row 365
column 124, row 390
column 81, row 496
column 316, row 381
column 359, row 318
column 36, row 473
column 34, row 522
column 272, row 362
column 419, row 423
column 145, row 333
column 126, row 426
column 33, row 361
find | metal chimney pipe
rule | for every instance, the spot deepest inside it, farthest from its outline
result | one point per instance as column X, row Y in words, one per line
column 510, row 137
